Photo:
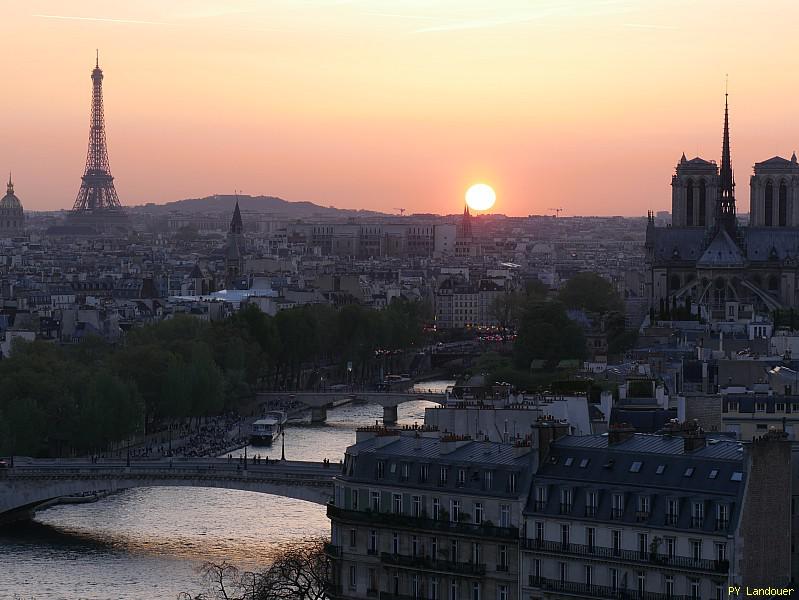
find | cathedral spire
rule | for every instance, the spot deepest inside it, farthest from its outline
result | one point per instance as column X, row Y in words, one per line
column 726, row 180
column 725, row 205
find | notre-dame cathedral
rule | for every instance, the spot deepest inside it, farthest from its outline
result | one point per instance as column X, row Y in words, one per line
column 707, row 260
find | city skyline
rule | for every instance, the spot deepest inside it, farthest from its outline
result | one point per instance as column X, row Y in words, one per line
column 201, row 100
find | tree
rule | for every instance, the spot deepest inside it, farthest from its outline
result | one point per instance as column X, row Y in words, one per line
column 590, row 292
column 546, row 332
column 297, row 571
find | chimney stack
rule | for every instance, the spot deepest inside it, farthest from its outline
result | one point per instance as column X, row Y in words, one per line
column 620, row 433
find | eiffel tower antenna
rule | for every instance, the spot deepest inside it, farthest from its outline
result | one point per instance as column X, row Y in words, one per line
column 97, row 192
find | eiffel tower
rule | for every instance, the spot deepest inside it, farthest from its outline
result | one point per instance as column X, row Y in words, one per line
column 97, row 202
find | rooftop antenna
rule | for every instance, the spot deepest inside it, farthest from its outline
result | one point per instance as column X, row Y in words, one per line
column 97, row 52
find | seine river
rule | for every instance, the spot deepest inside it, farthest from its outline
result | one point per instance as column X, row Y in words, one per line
column 146, row 544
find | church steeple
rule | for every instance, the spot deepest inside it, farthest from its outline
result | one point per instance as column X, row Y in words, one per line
column 725, row 206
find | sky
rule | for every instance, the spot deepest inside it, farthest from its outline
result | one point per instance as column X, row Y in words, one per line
column 584, row 105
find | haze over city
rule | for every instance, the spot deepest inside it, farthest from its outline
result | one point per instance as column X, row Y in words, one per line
column 585, row 105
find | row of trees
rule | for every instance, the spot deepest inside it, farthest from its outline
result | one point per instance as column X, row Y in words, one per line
column 79, row 399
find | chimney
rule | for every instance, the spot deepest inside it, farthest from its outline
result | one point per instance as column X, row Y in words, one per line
column 619, row 433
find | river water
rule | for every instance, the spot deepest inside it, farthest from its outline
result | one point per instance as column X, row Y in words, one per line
column 146, row 543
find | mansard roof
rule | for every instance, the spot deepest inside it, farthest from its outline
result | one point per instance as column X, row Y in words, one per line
column 722, row 252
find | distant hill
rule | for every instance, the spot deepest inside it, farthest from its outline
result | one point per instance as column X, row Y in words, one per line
column 261, row 204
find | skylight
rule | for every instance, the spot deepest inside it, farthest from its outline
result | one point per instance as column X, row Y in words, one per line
column 713, row 474
column 569, row 461
column 660, row 469
column 736, row 476
column 688, row 472
column 584, row 463
column 635, row 467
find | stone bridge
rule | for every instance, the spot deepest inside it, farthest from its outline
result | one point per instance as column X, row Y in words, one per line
column 320, row 402
column 30, row 483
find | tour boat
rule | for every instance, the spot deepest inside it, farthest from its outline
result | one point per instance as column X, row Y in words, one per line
column 266, row 430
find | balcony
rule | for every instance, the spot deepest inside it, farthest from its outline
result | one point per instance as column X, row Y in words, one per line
column 565, row 508
column 642, row 515
column 424, row 563
column 722, row 524
column 410, row 522
column 585, row 590
column 540, row 505
column 590, row 511
column 697, row 522
column 616, row 513
column 613, row 554
column 671, row 519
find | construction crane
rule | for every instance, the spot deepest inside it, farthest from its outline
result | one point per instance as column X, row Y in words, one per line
column 557, row 211
column 401, row 211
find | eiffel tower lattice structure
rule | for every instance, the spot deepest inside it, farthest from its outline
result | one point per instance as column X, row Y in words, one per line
column 97, row 195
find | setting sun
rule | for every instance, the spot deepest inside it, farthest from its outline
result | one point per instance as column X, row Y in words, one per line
column 480, row 196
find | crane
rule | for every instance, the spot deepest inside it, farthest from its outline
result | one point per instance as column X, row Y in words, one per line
column 557, row 211
column 401, row 211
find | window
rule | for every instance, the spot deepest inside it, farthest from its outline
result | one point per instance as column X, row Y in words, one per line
column 395, row 543
column 353, row 538
column 512, row 482
column 589, row 575
column 760, row 407
column 641, row 583
column 504, row 515
column 635, row 467
column 643, row 544
column 442, row 476
column 697, row 514
column 768, row 205
column 416, row 506
column 671, row 547
column 565, row 500
column 475, row 591
column 372, row 579
column 539, row 530
column 564, row 535
column 591, row 502
column 477, row 553
column 415, row 587
column 643, row 508
column 719, row 593
column 434, row 588
column 563, row 571
column 453, row 549
column 455, row 511
column 569, row 462
column 618, row 506
column 502, row 594
column 688, row 472
column 536, row 567
column 584, row 463
column 436, row 509
column 722, row 516
column 613, row 576
column 590, row 538
column 478, row 513
column 668, row 585
column 434, row 547
column 779, row 407
column 540, row 497
column 414, row 545
column 396, row 503
column 660, row 469
column 461, row 476
column 381, row 469
column 696, row 549
column 353, row 577
column 672, row 511
column 616, row 537
column 732, row 406
column 405, row 471
column 453, row 590
column 695, row 589
column 374, row 501
column 354, row 499
column 720, row 551
column 713, row 474
column 373, row 542
column 503, row 557
column 737, row 476
column 488, row 478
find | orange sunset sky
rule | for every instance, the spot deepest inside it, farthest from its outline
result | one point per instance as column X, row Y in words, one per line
column 580, row 104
